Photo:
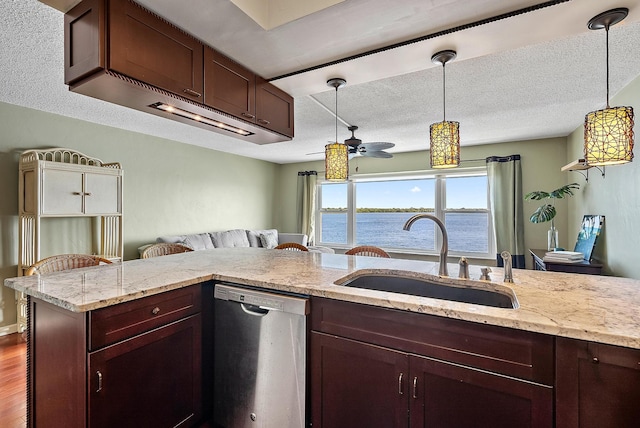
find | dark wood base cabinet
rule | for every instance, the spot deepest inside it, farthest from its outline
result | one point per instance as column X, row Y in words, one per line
column 597, row 385
column 135, row 364
column 378, row 367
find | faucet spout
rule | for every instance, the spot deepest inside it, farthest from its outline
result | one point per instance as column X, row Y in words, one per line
column 442, row 269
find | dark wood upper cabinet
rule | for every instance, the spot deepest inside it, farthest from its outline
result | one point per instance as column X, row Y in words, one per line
column 228, row 86
column 147, row 48
column 84, row 40
column 235, row 90
column 117, row 51
column 274, row 108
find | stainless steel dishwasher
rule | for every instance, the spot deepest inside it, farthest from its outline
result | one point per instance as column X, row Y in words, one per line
column 260, row 358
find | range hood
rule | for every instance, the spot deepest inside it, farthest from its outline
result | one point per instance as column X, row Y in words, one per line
column 119, row 89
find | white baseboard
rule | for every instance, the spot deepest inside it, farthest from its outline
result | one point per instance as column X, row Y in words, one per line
column 8, row 329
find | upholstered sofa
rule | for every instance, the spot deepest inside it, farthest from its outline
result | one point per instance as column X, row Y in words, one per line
column 267, row 238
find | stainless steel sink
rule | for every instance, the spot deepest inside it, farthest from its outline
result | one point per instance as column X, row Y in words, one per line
column 465, row 291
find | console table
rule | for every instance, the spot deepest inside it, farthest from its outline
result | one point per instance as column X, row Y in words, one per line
column 584, row 266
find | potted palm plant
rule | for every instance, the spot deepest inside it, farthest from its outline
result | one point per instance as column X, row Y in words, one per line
column 547, row 211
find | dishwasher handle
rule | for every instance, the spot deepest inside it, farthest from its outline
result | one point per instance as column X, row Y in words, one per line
column 254, row 310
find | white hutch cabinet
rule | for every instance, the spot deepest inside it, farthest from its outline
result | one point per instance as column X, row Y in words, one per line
column 65, row 183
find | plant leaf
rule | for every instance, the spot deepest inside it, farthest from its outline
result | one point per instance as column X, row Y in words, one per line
column 563, row 191
column 537, row 195
column 544, row 213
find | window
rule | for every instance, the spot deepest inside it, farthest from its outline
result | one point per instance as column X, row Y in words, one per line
column 371, row 210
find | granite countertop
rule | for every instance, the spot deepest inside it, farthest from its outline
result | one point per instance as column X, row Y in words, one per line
column 596, row 308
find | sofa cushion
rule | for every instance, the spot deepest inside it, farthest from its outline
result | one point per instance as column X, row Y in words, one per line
column 254, row 236
column 230, row 238
column 199, row 241
column 171, row 239
column 269, row 239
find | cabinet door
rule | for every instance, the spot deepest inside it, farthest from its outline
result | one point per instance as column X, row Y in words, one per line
column 61, row 192
column 145, row 47
column 150, row 380
column 102, row 194
column 451, row 395
column 229, row 87
column 596, row 385
column 274, row 108
column 354, row 384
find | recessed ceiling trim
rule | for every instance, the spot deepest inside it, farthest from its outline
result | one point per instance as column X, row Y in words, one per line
column 426, row 37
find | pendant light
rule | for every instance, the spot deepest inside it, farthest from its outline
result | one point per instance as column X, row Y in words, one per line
column 336, row 155
column 608, row 133
column 444, row 136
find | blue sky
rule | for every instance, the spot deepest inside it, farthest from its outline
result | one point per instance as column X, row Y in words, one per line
column 462, row 192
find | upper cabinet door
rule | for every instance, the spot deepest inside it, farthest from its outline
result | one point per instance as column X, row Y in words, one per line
column 102, row 194
column 228, row 86
column 274, row 108
column 84, row 40
column 62, row 192
column 149, row 49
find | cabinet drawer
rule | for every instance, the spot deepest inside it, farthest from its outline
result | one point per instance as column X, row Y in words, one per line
column 118, row 322
column 511, row 352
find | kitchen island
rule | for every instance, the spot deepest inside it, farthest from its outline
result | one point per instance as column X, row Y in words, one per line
column 568, row 313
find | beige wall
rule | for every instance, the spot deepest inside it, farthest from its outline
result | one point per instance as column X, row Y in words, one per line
column 541, row 163
column 615, row 196
column 169, row 188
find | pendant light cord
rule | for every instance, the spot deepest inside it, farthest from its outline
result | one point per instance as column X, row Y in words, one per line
column 337, row 114
column 607, row 38
column 444, row 93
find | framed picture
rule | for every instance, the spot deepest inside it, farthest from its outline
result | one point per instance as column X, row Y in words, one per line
column 588, row 234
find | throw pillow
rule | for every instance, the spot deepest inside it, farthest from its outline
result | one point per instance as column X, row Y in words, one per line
column 269, row 240
column 254, row 236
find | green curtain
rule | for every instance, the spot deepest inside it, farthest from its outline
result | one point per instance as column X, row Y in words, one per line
column 306, row 202
column 504, row 174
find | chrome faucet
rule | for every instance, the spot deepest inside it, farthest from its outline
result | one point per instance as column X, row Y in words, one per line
column 442, row 270
column 508, row 273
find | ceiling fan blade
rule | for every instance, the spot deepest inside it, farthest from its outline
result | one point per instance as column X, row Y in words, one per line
column 377, row 146
column 377, row 154
column 314, row 153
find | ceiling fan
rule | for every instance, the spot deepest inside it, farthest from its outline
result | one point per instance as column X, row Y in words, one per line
column 372, row 150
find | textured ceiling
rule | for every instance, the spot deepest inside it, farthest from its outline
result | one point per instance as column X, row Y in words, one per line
column 527, row 77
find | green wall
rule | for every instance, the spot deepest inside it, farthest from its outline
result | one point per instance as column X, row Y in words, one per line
column 169, row 187
column 615, row 196
column 541, row 163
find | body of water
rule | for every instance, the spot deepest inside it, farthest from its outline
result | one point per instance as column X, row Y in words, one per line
column 467, row 232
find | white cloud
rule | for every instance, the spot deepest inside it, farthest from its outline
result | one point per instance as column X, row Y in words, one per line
column 416, row 189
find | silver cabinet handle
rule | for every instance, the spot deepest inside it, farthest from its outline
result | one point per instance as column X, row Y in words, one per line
column 263, row 121
column 192, row 93
column 155, row 311
column 99, row 381
column 249, row 115
column 415, row 387
column 400, row 384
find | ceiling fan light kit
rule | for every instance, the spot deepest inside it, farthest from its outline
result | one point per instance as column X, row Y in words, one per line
column 444, row 149
column 608, row 133
column 336, row 155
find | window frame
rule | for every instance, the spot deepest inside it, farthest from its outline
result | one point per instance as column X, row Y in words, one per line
column 440, row 209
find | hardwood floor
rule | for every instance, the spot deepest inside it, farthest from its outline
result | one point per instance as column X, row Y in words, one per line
column 13, row 368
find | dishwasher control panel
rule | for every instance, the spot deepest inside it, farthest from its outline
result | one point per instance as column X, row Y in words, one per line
column 262, row 299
